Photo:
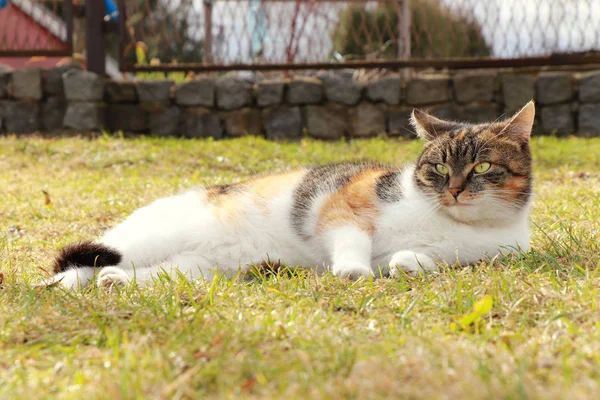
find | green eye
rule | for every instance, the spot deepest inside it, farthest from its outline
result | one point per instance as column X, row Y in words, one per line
column 482, row 167
column 441, row 168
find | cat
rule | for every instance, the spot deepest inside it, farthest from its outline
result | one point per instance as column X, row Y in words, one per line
column 467, row 197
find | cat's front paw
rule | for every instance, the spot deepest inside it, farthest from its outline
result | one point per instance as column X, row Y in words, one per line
column 109, row 277
column 352, row 271
column 411, row 263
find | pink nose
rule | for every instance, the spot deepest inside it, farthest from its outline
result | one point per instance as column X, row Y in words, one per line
column 455, row 191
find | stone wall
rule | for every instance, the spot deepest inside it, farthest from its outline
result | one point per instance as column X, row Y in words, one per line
column 328, row 106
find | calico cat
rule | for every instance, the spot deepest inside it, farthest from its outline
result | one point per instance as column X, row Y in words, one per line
column 467, row 197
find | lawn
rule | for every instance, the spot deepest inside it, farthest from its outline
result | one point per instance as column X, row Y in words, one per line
column 290, row 334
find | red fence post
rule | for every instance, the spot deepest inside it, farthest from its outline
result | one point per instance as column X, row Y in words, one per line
column 94, row 36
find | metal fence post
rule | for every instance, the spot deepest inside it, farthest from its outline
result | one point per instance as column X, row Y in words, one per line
column 94, row 36
column 207, row 50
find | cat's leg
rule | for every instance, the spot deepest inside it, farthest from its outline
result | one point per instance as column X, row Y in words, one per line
column 74, row 278
column 411, row 262
column 349, row 248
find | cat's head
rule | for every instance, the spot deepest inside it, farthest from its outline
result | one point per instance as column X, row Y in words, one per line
column 476, row 173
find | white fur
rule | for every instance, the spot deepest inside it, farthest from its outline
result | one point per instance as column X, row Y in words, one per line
column 184, row 234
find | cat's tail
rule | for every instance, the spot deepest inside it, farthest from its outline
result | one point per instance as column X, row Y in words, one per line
column 74, row 265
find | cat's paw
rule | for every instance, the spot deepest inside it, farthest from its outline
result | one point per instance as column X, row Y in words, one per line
column 411, row 263
column 353, row 272
column 109, row 277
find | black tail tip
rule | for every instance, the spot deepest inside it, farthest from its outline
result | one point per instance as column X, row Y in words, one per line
column 86, row 254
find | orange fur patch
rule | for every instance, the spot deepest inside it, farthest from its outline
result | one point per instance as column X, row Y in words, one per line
column 354, row 204
column 517, row 184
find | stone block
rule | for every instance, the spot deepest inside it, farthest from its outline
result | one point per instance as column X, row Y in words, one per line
column 119, row 92
column 126, row 118
column 428, row 90
column 399, row 122
column 154, row 92
column 328, row 121
column 517, row 90
column 387, row 89
column 52, row 82
column 589, row 87
column 283, row 122
column 557, row 119
column 26, row 84
column 83, row 86
column 4, row 83
column 84, row 116
column 197, row 92
column 233, row 93
column 367, row 120
column 20, row 116
column 245, row 121
column 589, row 119
column 305, row 90
column 341, row 89
column 470, row 87
column 200, row 122
column 479, row 113
column 554, row 87
column 449, row 112
column 270, row 92
column 163, row 120
column 53, row 113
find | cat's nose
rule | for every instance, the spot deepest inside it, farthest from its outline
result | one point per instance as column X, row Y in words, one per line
column 455, row 192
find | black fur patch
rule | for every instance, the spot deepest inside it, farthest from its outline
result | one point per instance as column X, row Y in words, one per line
column 86, row 254
column 388, row 187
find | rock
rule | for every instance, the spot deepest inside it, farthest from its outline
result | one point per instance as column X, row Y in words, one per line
column 283, row 122
column 343, row 90
column 557, row 119
column 53, row 113
column 399, row 122
column 478, row 113
column 470, row 87
column 26, row 84
column 245, row 121
column 20, row 116
column 126, row 118
column 4, row 83
column 163, row 120
column 270, row 92
column 517, row 90
column 387, row 89
column 428, row 90
column 554, row 87
column 84, row 116
column 329, row 121
column 200, row 122
column 83, row 86
column 154, row 92
column 367, row 120
column 118, row 92
column 52, row 82
column 233, row 93
column 197, row 92
column 450, row 111
column 305, row 90
column 589, row 87
column 589, row 119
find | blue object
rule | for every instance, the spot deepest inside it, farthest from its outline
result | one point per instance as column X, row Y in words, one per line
column 3, row 3
column 110, row 8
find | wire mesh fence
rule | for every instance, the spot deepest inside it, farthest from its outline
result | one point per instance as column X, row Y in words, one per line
column 270, row 34
column 35, row 27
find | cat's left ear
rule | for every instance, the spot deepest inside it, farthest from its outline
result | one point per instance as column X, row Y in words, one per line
column 427, row 126
column 520, row 125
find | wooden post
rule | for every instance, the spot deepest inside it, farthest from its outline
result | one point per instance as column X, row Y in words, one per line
column 94, row 36
column 207, row 51
column 404, row 28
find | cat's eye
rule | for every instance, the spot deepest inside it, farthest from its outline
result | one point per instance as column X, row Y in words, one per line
column 482, row 167
column 441, row 168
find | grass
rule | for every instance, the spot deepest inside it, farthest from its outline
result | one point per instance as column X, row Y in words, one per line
column 292, row 334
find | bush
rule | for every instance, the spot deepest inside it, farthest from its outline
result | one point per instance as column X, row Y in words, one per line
column 436, row 32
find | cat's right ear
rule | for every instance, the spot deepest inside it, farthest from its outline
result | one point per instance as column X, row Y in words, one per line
column 427, row 126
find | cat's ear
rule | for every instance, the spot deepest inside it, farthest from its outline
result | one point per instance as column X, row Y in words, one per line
column 427, row 126
column 520, row 125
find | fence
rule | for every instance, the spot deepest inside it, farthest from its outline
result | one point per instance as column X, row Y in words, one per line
column 308, row 34
column 36, row 28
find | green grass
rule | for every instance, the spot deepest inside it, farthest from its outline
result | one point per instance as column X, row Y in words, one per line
column 293, row 334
